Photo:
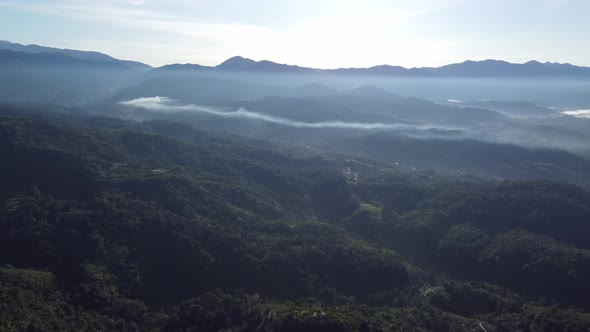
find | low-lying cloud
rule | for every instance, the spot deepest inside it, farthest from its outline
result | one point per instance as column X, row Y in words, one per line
column 509, row 135
column 165, row 104
column 582, row 114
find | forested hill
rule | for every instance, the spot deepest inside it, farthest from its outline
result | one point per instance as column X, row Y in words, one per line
column 111, row 225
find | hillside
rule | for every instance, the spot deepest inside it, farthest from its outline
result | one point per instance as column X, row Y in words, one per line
column 412, row 132
column 77, row 54
column 114, row 225
column 57, row 78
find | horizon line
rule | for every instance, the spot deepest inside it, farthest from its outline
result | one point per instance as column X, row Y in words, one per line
column 292, row 65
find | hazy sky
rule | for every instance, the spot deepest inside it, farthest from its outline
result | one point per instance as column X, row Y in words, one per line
column 315, row 33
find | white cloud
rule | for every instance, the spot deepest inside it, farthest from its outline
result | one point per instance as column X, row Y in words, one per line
column 582, row 114
column 168, row 105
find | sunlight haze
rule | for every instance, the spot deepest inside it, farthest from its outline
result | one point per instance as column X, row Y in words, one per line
column 320, row 34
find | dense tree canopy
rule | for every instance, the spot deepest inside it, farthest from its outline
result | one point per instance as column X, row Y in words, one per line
column 112, row 225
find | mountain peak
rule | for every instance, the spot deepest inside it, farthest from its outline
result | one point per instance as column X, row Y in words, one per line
column 482, row 62
column 181, row 67
column 236, row 61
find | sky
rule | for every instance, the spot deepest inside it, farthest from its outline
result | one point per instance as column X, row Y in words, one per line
column 311, row 33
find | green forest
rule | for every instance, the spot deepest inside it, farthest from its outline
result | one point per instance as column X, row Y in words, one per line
column 110, row 225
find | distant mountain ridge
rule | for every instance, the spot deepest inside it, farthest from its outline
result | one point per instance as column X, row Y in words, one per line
column 498, row 68
column 13, row 58
column 76, row 54
column 469, row 68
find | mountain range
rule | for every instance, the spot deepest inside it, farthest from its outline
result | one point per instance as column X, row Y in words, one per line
column 475, row 69
column 479, row 69
column 485, row 68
